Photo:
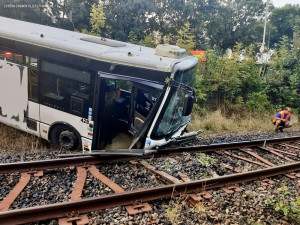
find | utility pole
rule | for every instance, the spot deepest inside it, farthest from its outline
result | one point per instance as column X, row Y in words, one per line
column 72, row 18
column 265, row 27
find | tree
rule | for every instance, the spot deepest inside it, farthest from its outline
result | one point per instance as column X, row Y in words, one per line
column 185, row 38
column 282, row 21
column 283, row 77
column 125, row 16
column 34, row 11
column 148, row 41
column 59, row 12
column 97, row 19
column 236, row 21
column 132, row 38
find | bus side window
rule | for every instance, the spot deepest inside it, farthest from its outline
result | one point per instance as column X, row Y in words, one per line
column 9, row 56
column 32, row 62
column 2, row 55
column 20, row 59
column 14, row 57
column 65, row 88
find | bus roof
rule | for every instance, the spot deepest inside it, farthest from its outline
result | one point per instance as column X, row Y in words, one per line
column 86, row 45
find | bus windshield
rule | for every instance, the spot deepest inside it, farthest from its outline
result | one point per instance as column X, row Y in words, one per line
column 186, row 77
column 172, row 119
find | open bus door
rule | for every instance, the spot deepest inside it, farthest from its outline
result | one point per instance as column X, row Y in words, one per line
column 124, row 112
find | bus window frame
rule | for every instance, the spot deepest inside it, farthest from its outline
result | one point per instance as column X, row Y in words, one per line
column 26, row 64
column 137, row 83
column 91, row 100
column 131, row 79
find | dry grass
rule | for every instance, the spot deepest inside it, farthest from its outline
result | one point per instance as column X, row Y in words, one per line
column 14, row 140
column 217, row 124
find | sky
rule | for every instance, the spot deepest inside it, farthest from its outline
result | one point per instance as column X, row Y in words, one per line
column 280, row 3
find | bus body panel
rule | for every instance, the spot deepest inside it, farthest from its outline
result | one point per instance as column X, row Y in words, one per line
column 44, row 131
column 13, row 94
column 33, row 110
column 86, row 144
column 52, row 116
column 68, row 52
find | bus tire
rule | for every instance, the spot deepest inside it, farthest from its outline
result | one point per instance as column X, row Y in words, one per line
column 64, row 137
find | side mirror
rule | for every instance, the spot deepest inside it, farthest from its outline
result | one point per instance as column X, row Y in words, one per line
column 188, row 104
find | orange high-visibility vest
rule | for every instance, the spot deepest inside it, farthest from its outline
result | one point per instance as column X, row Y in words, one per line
column 282, row 116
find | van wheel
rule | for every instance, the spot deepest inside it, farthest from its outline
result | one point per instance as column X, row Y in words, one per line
column 64, row 137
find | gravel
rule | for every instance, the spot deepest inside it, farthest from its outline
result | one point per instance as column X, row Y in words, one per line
column 94, row 188
column 248, row 207
column 7, row 183
column 124, row 175
column 53, row 187
column 200, row 140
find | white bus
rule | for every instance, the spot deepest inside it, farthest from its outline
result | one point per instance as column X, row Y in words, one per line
column 85, row 92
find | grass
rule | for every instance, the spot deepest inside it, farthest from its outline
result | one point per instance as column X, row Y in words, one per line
column 14, row 140
column 174, row 213
column 215, row 123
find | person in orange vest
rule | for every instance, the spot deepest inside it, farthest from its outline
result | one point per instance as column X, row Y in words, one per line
column 282, row 120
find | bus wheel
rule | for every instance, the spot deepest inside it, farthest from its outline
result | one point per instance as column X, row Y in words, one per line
column 65, row 138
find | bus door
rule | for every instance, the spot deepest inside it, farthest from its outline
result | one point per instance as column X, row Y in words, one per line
column 124, row 109
column 145, row 104
column 13, row 91
column 113, row 109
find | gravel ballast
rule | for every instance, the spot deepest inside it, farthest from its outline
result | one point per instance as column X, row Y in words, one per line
column 248, row 207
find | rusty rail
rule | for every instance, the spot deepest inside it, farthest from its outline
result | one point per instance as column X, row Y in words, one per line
column 93, row 160
column 60, row 210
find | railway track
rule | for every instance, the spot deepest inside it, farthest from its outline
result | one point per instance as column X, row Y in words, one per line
column 262, row 158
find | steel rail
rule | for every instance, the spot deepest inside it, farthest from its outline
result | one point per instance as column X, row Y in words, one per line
column 93, row 160
column 59, row 210
column 229, row 145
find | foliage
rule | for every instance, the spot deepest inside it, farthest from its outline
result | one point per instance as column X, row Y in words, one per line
column 290, row 209
column 173, row 213
column 258, row 102
column 232, row 81
column 213, row 24
column 59, row 12
column 283, row 77
column 232, row 78
column 235, row 21
column 282, row 22
column 97, row 19
column 35, row 14
column 185, row 38
column 204, row 159
column 168, row 165
column 148, row 41
column 132, row 38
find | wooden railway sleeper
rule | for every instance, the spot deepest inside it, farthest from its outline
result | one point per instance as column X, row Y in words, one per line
column 289, row 146
column 194, row 199
column 14, row 193
column 266, row 163
column 73, row 217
